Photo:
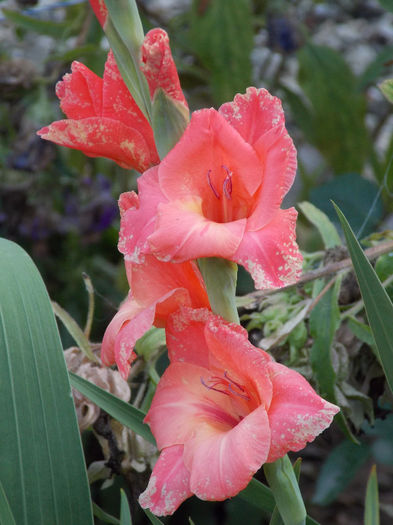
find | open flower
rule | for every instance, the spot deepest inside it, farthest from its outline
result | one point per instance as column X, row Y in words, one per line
column 218, row 193
column 157, row 289
column 103, row 118
column 222, row 409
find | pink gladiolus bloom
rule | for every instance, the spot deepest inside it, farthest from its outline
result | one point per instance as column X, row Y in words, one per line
column 221, row 410
column 157, row 290
column 103, row 118
column 218, row 193
column 100, row 10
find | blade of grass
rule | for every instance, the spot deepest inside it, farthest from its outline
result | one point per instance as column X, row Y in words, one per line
column 125, row 413
column 377, row 303
column 42, row 469
column 125, row 514
column 371, row 511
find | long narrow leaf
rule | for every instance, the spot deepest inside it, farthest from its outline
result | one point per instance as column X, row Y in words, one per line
column 153, row 519
column 125, row 514
column 125, row 413
column 377, row 303
column 42, row 465
column 6, row 516
column 371, row 511
column 104, row 516
column 257, row 494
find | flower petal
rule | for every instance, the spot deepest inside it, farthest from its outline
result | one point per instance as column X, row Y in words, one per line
column 101, row 137
column 271, row 254
column 138, row 220
column 158, row 66
column 80, row 92
column 185, row 336
column 297, row 413
column 209, row 143
column 182, row 233
column 228, row 344
column 154, row 280
column 182, row 404
column 169, row 483
column 222, row 463
column 100, row 10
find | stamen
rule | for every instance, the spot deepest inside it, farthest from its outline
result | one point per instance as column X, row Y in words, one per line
column 240, row 387
column 244, row 396
column 213, row 387
column 227, row 185
column 211, row 185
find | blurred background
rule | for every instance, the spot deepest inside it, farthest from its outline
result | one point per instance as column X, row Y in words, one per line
column 323, row 59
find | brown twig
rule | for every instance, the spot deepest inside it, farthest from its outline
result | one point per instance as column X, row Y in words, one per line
column 371, row 254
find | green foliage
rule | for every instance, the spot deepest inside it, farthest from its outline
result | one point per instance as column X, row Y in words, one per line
column 6, row 516
column 328, row 82
column 338, row 470
column 387, row 89
column 123, row 412
column 169, row 120
column 125, row 514
column 153, row 519
column 371, row 510
column 322, row 222
column 379, row 307
column 42, row 466
column 221, row 36
column 354, row 194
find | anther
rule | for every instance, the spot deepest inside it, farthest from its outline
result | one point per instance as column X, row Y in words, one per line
column 211, row 185
column 209, row 387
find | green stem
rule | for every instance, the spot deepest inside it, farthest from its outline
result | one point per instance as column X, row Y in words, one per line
column 220, row 278
column 285, row 488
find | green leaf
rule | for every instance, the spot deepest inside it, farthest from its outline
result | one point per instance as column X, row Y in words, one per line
column 257, row 494
column 43, row 27
column 153, row 519
column 338, row 470
column 125, row 413
column 324, row 322
column 169, row 120
column 125, row 514
column 387, row 89
column 328, row 83
column 354, row 194
column 387, row 4
column 361, row 331
column 74, row 330
column 6, row 516
column 378, row 306
column 104, row 516
column 42, row 465
column 371, row 510
column 376, row 68
column 124, row 31
column 221, row 35
column 322, row 222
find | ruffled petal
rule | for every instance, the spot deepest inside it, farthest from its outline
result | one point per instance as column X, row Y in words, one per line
column 100, row 10
column 169, row 483
column 253, row 114
column 154, row 279
column 271, row 254
column 182, row 404
column 229, row 346
column 185, row 336
column 118, row 104
column 211, row 146
column 297, row 413
column 222, row 463
column 158, row 66
column 127, row 326
column 182, row 233
column 138, row 220
column 80, row 92
column 101, row 137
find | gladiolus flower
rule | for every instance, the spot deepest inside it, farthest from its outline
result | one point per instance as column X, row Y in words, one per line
column 157, row 289
column 222, row 409
column 218, row 193
column 103, row 118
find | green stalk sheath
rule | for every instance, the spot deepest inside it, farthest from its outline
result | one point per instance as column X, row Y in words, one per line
column 285, row 488
column 220, row 278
